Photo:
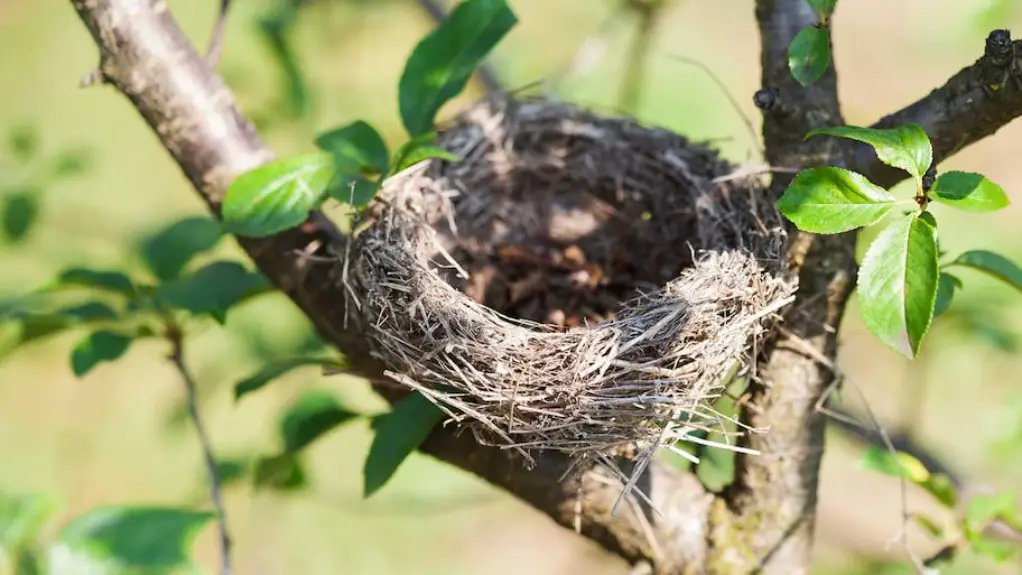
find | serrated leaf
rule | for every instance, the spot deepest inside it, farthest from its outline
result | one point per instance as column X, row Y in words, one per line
column 946, row 286
column 809, row 54
column 833, row 200
column 993, row 264
column 902, row 464
column 397, row 434
column 897, row 284
column 276, row 369
column 823, row 8
column 906, row 147
column 356, row 148
column 276, row 196
column 167, row 252
column 104, row 280
column 968, row 192
column 22, row 517
column 443, row 61
column 20, row 212
column 98, row 347
column 419, row 150
column 311, row 416
column 354, row 190
column 283, row 472
column 134, row 538
column 213, row 289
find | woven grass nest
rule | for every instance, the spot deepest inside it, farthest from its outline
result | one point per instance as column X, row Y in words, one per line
column 572, row 283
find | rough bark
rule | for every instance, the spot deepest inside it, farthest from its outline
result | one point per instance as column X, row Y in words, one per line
column 764, row 521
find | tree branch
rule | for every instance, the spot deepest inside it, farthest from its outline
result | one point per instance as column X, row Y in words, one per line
column 764, row 522
column 976, row 102
column 144, row 54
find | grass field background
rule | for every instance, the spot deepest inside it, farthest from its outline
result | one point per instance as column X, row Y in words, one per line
column 114, row 437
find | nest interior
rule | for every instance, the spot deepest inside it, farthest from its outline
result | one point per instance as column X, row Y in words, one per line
column 573, row 282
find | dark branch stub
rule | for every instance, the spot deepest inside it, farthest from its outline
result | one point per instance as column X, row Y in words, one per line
column 767, row 98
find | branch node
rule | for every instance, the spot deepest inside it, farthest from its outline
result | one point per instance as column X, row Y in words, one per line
column 768, row 98
column 93, row 78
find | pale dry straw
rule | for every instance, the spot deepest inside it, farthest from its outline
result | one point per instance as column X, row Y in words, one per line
column 547, row 173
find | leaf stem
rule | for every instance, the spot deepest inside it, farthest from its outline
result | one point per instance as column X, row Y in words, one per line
column 176, row 338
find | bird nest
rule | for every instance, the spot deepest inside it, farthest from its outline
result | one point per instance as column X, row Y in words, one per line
column 572, row 282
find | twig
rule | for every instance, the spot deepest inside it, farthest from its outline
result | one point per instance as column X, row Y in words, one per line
column 176, row 339
column 217, row 39
column 635, row 67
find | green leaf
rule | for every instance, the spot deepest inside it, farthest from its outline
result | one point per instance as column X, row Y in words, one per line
column 23, row 328
column 213, row 289
column 275, row 369
column 823, row 8
column 104, row 280
column 983, row 509
column 398, row 434
column 993, row 264
column 134, row 538
column 283, row 472
column 809, row 54
column 311, row 416
column 898, row 284
column 22, row 517
column 24, row 142
column 999, row 551
column 356, row 148
column 883, row 461
column 70, row 163
column 168, row 251
column 353, row 190
column 231, row 471
column 276, row 196
column 98, row 347
column 929, row 525
column 21, row 210
column 443, row 61
column 275, row 30
column 968, row 192
column 906, row 147
column 946, row 286
column 418, row 150
column 942, row 489
column 833, row 200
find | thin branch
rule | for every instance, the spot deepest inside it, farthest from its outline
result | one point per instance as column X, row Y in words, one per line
column 217, row 38
column 638, row 54
column 487, row 77
column 176, row 339
column 976, row 102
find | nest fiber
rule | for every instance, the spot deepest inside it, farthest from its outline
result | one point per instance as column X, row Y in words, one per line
column 573, row 282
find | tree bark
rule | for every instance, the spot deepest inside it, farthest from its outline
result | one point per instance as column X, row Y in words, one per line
column 761, row 523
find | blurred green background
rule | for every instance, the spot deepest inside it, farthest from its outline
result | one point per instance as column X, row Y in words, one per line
column 117, row 435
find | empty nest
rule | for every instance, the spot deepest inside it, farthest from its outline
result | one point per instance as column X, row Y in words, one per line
column 574, row 282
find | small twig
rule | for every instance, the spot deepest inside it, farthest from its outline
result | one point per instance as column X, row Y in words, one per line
column 216, row 41
column 635, row 68
column 176, row 339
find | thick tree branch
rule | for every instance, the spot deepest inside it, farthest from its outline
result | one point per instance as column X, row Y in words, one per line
column 976, row 102
column 145, row 56
column 765, row 520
